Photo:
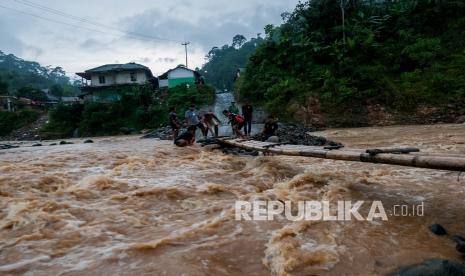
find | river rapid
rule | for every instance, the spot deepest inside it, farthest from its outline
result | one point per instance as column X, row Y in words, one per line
column 131, row 206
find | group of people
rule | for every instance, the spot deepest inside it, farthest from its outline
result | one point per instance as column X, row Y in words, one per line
column 209, row 123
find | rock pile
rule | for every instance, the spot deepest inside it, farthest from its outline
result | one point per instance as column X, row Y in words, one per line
column 299, row 135
column 162, row 133
column 432, row 267
column 7, row 146
column 30, row 132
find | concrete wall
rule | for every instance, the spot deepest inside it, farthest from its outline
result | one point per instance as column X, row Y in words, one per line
column 179, row 73
column 109, row 80
column 119, row 78
column 162, row 83
column 125, row 77
column 179, row 81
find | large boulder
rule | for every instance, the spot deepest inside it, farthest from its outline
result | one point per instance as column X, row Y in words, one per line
column 434, row 267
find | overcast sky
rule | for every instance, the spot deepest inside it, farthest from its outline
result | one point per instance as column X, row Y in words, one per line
column 205, row 23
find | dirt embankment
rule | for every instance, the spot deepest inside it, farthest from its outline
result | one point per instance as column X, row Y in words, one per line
column 373, row 114
column 30, row 132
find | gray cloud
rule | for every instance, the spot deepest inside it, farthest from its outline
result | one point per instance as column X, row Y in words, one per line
column 205, row 23
column 166, row 59
column 9, row 42
column 204, row 30
column 92, row 44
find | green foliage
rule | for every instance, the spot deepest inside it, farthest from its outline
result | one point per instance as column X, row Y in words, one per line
column 222, row 63
column 3, row 87
column 31, row 93
column 10, row 121
column 137, row 108
column 401, row 54
column 63, row 120
column 57, row 90
column 18, row 73
column 181, row 97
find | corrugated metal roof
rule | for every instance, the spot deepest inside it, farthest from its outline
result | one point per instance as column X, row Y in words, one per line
column 117, row 67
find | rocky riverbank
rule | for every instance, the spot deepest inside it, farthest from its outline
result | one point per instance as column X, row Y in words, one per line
column 287, row 133
column 298, row 135
column 28, row 133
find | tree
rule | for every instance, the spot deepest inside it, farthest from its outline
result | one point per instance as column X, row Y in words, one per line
column 3, row 87
column 31, row 93
column 349, row 54
column 238, row 41
column 222, row 63
column 57, row 90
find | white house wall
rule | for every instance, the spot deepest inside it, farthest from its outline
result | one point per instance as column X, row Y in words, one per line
column 119, row 78
column 163, row 83
column 180, row 73
column 125, row 78
column 109, row 80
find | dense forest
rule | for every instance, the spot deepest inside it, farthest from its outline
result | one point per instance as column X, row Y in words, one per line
column 26, row 78
column 222, row 63
column 345, row 56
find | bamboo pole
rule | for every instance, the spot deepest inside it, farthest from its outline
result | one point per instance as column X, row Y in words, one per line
column 452, row 162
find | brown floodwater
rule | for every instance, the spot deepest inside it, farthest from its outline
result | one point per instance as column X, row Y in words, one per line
column 131, row 206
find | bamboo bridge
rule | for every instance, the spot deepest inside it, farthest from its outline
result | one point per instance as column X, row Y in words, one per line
column 407, row 156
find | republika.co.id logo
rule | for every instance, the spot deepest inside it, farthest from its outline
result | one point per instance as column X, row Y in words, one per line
column 320, row 210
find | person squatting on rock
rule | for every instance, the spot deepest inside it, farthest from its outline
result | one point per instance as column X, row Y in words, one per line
column 187, row 138
column 270, row 128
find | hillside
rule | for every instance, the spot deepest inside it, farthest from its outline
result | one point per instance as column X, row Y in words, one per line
column 371, row 62
column 18, row 73
column 222, row 63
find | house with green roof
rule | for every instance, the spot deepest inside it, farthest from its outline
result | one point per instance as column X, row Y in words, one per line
column 106, row 83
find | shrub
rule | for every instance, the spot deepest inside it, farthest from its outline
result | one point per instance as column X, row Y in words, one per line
column 63, row 120
column 10, row 121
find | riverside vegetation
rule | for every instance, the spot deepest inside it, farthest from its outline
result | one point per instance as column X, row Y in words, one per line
column 139, row 108
column 345, row 58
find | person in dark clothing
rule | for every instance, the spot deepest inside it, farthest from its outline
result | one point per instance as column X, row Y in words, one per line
column 270, row 128
column 186, row 138
column 247, row 112
column 174, row 122
column 233, row 108
column 236, row 121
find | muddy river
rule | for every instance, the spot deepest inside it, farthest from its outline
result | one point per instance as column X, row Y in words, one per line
column 131, row 206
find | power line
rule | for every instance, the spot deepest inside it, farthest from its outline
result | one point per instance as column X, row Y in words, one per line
column 51, row 20
column 84, row 20
column 81, row 27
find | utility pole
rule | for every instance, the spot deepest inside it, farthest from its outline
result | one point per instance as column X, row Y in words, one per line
column 185, row 47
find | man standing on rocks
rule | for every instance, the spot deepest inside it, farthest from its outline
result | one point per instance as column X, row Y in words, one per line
column 247, row 112
column 233, row 108
column 174, row 122
column 211, row 123
column 192, row 120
